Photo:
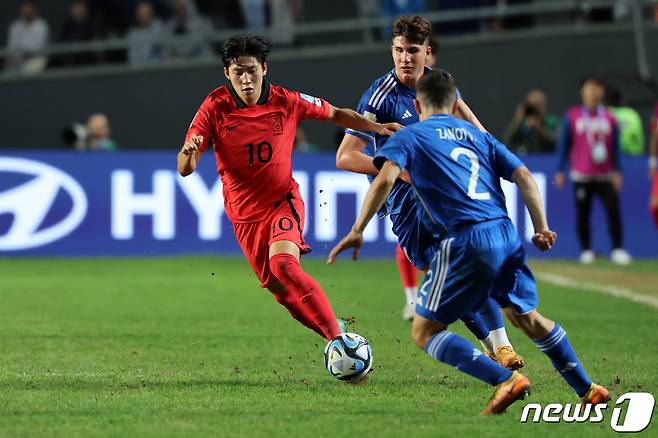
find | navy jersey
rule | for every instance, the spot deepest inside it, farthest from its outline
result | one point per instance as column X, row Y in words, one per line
column 386, row 101
column 455, row 170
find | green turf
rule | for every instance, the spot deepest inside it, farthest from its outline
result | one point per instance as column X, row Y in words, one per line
column 192, row 346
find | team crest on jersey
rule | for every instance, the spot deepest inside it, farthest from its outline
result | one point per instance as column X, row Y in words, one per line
column 314, row 100
column 277, row 124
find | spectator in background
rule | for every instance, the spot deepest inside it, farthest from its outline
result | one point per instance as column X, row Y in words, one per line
column 283, row 16
column 589, row 142
column 631, row 130
column 188, row 34
column 144, row 38
column 653, row 163
column 27, row 39
column 98, row 134
column 395, row 8
column 532, row 130
column 301, row 142
column 253, row 12
column 79, row 27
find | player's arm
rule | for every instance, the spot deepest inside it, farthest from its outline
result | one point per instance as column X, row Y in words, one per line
column 350, row 156
column 465, row 112
column 348, row 118
column 375, row 198
column 544, row 238
column 189, row 155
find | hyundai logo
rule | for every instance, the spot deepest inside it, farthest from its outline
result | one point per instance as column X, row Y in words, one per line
column 30, row 203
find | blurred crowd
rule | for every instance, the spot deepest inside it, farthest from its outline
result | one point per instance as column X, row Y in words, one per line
column 162, row 30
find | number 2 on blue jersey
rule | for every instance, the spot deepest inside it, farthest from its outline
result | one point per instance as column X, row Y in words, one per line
column 475, row 171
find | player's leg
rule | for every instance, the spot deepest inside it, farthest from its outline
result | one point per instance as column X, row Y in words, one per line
column 409, row 276
column 458, row 281
column 610, row 199
column 291, row 301
column 286, row 244
column 520, row 307
column 254, row 241
column 487, row 322
column 583, row 195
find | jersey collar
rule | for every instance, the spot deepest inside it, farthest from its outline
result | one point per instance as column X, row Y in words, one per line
column 262, row 100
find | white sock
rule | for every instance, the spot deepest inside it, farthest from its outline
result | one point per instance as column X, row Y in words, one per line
column 486, row 345
column 497, row 338
column 410, row 292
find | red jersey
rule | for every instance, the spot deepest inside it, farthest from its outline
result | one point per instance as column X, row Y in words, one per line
column 253, row 145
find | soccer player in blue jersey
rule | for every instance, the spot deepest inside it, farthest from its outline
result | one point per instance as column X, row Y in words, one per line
column 455, row 170
column 390, row 99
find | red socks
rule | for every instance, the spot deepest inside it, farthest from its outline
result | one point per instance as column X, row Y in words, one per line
column 408, row 271
column 304, row 298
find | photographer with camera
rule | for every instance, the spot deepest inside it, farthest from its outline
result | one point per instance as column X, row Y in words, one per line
column 532, row 130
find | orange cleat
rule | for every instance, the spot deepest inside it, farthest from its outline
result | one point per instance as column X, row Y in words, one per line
column 506, row 393
column 508, row 358
column 595, row 394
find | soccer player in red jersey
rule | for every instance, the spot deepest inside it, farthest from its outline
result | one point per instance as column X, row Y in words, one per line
column 251, row 124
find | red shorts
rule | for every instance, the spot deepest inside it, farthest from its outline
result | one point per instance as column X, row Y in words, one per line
column 284, row 222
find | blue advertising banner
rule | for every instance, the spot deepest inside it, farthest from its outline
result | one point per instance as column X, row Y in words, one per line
column 135, row 203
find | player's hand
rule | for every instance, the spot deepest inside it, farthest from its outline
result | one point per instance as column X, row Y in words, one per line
column 652, row 173
column 352, row 240
column 559, row 180
column 404, row 176
column 617, row 181
column 388, row 128
column 544, row 240
column 192, row 144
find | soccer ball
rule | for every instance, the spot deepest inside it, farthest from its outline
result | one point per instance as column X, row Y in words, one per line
column 348, row 356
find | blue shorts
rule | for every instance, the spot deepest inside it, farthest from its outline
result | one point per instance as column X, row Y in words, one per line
column 417, row 242
column 480, row 261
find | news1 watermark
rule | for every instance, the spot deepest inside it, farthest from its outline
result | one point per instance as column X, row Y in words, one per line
column 632, row 412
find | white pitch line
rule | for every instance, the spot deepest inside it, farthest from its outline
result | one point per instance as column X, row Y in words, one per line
column 615, row 291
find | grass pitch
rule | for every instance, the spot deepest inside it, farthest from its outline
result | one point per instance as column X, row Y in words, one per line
column 192, row 346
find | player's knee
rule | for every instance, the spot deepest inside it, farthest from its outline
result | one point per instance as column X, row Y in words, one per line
column 422, row 333
column 534, row 324
column 280, row 266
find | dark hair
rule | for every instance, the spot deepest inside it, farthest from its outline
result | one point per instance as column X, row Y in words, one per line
column 245, row 45
column 437, row 88
column 413, row 28
column 591, row 78
column 434, row 46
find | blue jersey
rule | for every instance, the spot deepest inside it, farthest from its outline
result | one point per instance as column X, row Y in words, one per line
column 387, row 100
column 455, row 170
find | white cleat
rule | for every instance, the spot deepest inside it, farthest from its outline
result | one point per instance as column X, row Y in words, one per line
column 587, row 257
column 620, row 256
column 408, row 312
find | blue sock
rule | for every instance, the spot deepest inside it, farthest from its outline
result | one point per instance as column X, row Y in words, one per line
column 454, row 350
column 491, row 315
column 475, row 324
column 556, row 346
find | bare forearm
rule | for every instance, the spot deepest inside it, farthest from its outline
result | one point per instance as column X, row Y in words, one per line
column 531, row 197
column 348, row 118
column 186, row 164
column 467, row 114
column 374, row 200
column 356, row 161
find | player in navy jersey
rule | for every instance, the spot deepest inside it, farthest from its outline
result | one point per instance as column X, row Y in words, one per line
column 390, row 99
column 455, row 170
